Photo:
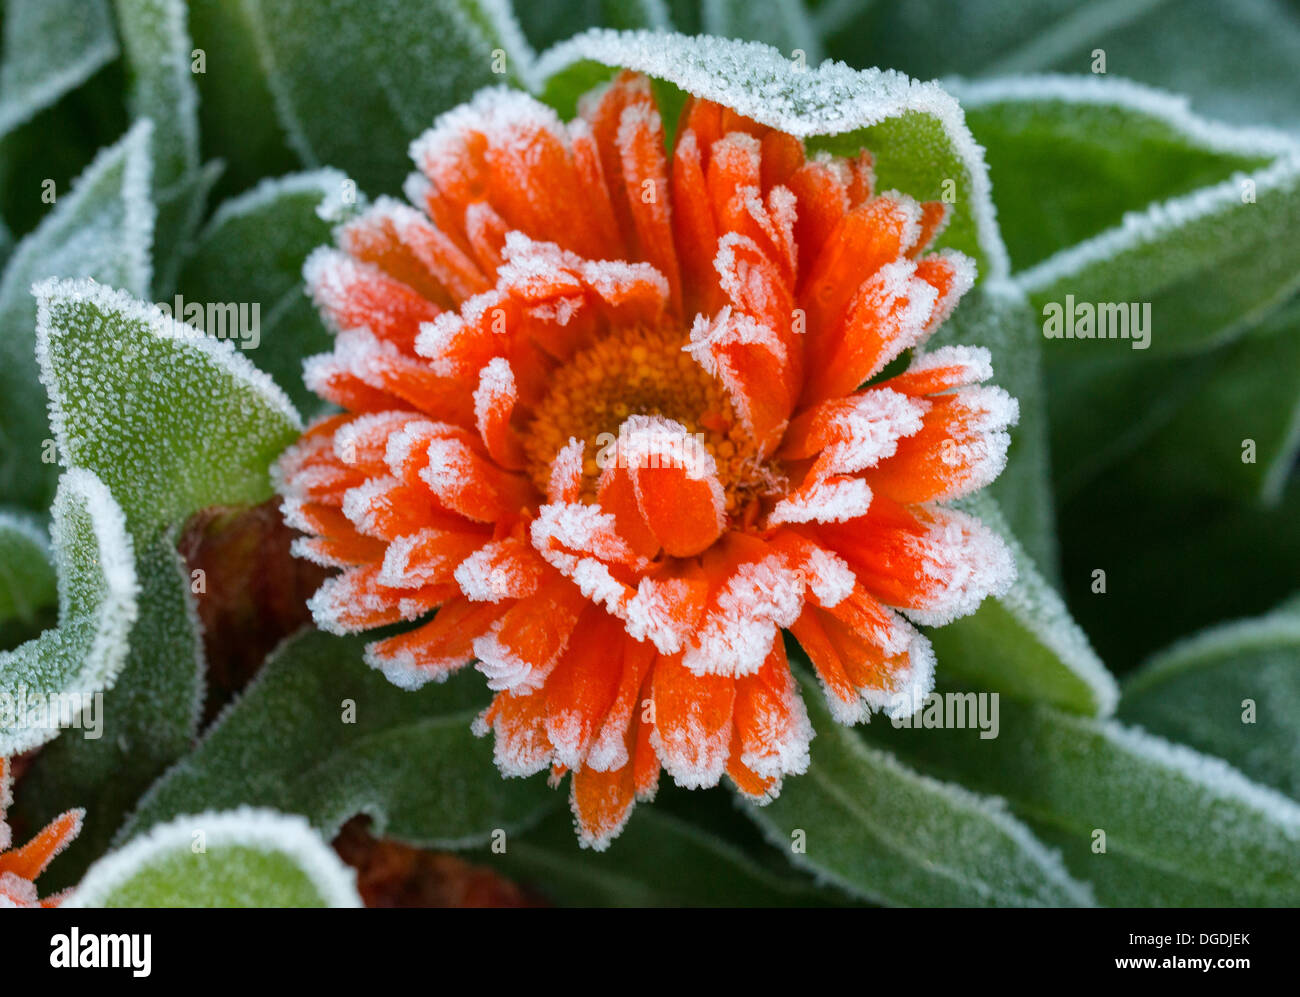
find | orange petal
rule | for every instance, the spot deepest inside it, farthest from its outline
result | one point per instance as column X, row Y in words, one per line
column 692, row 722
column 602, row 803
column 356, row 295
column 867, row 238
column 521, row 747
column 437, row 649
column 676, row 484
column 583, row 686
column 30, row 861
column 645, row 174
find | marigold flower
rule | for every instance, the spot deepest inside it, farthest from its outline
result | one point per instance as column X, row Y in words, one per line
column 19, row 867
column 605, row 411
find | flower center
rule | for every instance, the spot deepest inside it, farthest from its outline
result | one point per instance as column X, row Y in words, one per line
column 644, row 371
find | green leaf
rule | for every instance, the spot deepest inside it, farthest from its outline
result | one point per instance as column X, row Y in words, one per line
column 872, row 826
column 150, row 717
column 995, row 315
column 240, row 858
column 1127, row 400
column 319, row 733
column 1209, row 265
column 1175, row 562
column 1025, row 643
column 1238, row 434
column 27, row 581
column 237, row 121
column 1180, row 827
column 50, row 48
column 256, row 244
column 659, row 860
column 915, row 130
column 171, row 419
column 158, row 50
column 1204, row 264
column 388, row 66
column 783, row 24
column 102, row 229
column 1179, row 46
column 45, row 683
column 1232, row 691
column 547, row 24
column 1122, row 146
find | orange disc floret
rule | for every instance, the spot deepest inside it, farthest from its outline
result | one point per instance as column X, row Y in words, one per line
column 19, row 867
column 615, row 419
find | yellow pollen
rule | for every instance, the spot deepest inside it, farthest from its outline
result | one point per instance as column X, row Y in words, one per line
column 643, row 371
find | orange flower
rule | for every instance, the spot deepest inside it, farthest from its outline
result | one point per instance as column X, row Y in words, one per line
column 605, row 412
column 19, row 867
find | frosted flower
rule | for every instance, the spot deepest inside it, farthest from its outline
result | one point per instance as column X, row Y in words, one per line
column 19, row 867
column 605, row 412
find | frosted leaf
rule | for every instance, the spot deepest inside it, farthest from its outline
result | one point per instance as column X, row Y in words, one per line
column 782, row 23
column 150, row 716
column 1173, row 110
column 409, row 761
column 27, row 582
column 996, row 316
column 50, row 48
column 546, row 25
column 175, row 421
column 661, row 860
column 102, row 228
column 257, row 243
column 171, row 419
column 364, row 54
column 1232, row 691
column 1181, row 828
column 158, row 51
column 892, row 835
column 1177, row 46
column 1024, row 642
column 157, row 48
column 1204, row 260
column 916, row 131
column 1249, row 390
column 45, row 683
column 250, row 858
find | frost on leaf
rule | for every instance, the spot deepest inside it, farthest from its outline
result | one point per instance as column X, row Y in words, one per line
column 171, row 419
column 257, row 242
column 365, row 54
column 890, row 834
column 103, row 229
column 158, row 50
column 45, row 683
column 50, row 48
column 830, row 106
column 1024, row 642
column 1208, row 259
column 248, row 858
column 1232, row 691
